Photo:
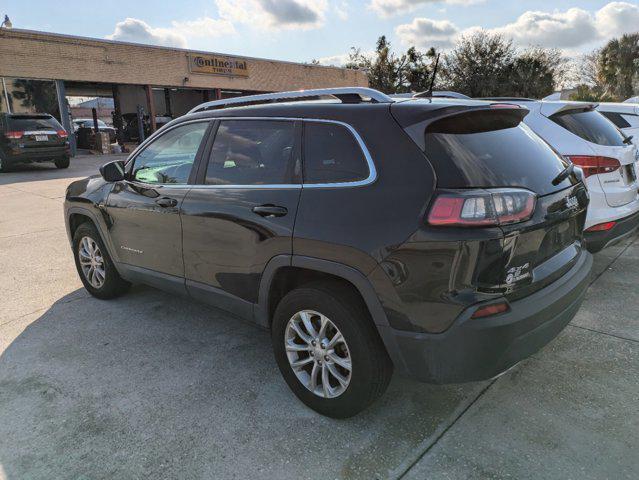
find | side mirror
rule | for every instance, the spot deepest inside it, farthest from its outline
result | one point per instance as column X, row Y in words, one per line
column 113, row 171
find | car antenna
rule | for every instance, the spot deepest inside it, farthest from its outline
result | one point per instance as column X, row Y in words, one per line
column 432, row 80
column 429, row 93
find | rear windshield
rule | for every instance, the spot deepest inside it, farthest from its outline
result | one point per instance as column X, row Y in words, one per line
column 492, row 148
column 590, row 125
column 33, row 123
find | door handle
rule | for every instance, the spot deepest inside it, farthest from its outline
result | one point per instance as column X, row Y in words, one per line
column 166, row 202
column 270, row 211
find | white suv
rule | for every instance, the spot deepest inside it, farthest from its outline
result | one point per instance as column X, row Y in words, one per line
column 624, row 115
column 608, row 160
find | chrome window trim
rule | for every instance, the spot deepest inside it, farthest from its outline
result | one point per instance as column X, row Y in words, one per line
column 372, row 171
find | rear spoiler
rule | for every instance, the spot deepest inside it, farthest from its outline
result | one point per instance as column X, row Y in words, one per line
column 415, row 121
column 549, row 109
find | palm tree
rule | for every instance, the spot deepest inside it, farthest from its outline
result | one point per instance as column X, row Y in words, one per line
column 619, row 61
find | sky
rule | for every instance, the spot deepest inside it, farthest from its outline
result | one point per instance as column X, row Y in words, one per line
column 303, row 30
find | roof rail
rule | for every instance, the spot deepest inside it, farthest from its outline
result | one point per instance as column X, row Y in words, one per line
column 442, row 94
column 345, row 94
column 506, row 99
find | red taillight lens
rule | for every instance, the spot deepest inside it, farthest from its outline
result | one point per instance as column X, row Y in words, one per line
column 62, row 133
column 489, row 310
column 601, row 227
column 476, row 208
column 15, row 135
column 595, row 165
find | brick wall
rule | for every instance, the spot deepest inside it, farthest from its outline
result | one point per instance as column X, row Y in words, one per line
column 51, row 56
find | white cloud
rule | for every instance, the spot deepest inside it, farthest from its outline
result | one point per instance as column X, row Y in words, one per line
column 138, row 31
column 274, row 14
column 570, row 29
column 342, row 59
column 425, row 33
column 386, row 8
column 341, row 10
column 617, row 18
column 335, row 60
column 204, row 27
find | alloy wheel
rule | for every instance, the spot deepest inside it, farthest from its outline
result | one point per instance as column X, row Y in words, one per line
column 91, row 262
column 318, row 354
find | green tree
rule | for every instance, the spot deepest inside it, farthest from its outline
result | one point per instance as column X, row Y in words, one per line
column 479, row 65
column 535, row 73
column 589, row 93
column 619, row 66
column 38, row 96
column 392, row 73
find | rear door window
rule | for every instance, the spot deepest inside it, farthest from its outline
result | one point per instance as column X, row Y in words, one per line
column 253, row 152
column 332, row 155
column 492, row 148
column 26, row 123
column 591, row 126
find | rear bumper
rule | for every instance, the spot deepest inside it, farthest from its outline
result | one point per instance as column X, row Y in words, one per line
column 35, row 155
column 597, row 241
column 479, row 349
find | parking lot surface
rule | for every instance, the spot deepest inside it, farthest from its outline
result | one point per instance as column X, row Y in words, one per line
column 155, row 386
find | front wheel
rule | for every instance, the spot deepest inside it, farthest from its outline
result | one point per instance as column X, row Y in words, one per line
column 62, row 162
column 328, row 350
column 94, row 265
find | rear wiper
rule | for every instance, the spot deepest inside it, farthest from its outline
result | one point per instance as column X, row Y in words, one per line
column 628, row 139
column 565, row 173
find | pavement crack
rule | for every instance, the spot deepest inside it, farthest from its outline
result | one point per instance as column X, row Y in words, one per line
column 438, row 435
column 604, row 333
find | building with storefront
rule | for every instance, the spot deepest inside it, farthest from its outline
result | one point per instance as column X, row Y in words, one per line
column 40, row 71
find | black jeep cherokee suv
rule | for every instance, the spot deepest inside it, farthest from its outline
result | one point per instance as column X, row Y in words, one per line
column 28, row 138
column 437, row 237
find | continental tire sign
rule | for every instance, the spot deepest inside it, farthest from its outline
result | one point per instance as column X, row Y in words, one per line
column 216, row 65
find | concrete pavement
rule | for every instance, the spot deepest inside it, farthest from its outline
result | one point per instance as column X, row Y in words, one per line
column 154, row 386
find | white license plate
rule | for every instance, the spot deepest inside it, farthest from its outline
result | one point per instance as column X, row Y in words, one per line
column 41, row 138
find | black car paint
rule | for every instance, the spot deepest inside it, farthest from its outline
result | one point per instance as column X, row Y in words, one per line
column 416, row 281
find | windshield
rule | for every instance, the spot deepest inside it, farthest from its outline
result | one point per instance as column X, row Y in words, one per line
column 492, row 148
column 591, row 126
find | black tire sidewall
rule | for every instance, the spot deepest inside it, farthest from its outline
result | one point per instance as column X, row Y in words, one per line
column 62, row 162
column 358, row 394
column 113, row 284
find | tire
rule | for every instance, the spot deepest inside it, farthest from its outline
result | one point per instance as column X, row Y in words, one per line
column 62, row 162
column 112, row 285
column 371, row 368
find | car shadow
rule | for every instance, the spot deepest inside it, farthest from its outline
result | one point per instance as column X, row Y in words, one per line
column 150, row 385
column 80, row 166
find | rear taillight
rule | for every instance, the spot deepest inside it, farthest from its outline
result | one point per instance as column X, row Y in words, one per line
column 601, row 227
column 595, row 165
column 488, row 310
column 62, row 133
column 14, row 135
column 477, row 208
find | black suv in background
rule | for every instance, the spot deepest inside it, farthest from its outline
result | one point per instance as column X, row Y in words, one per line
column 26, row 138
column 439, row 238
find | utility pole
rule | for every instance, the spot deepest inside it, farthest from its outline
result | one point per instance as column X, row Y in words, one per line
column 6, row 95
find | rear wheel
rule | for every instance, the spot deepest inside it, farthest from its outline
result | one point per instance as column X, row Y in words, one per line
column 329, row 351
column 62, row 162
column 94, row 265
